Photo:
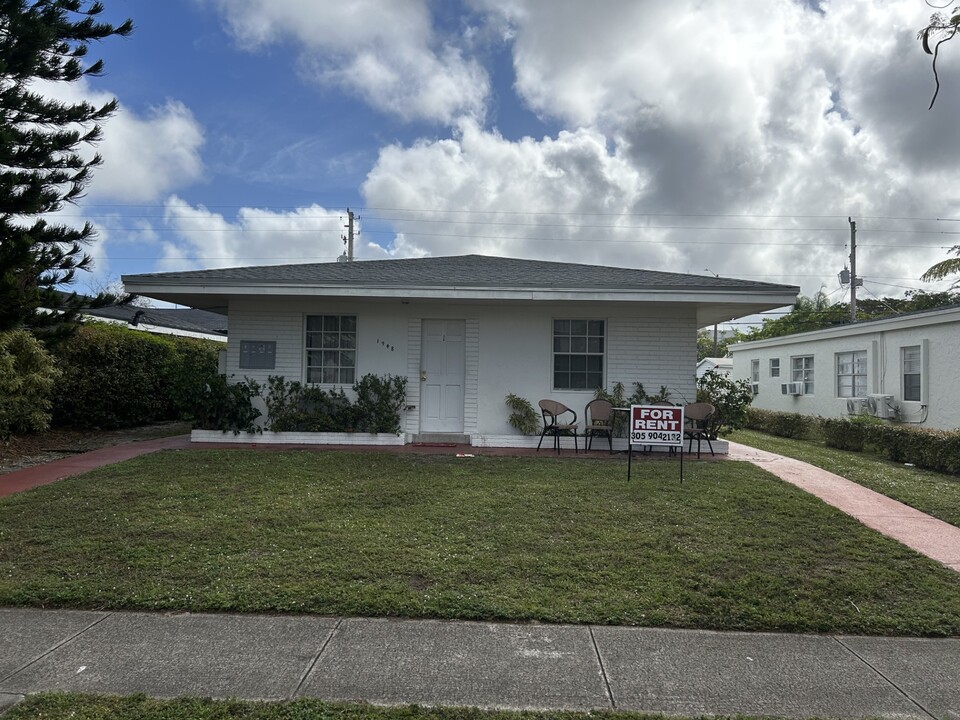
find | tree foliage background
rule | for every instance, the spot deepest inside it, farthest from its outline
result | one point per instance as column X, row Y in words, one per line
column 942, row 28
column 41, row 166
column 816, row 313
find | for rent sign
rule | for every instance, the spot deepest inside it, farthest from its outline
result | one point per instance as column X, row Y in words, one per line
column 656, row 425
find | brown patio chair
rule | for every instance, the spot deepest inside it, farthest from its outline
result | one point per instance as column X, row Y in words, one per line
column 597, row 420
column 697, row 418
column 554, row 423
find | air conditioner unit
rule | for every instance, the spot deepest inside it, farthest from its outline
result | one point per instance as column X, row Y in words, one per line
column 857, row 406
column 755, row 388
column 791, row 388
column 882, row 406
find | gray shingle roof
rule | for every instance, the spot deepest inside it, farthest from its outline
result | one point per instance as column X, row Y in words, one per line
column 189, row 319
column 475, row 271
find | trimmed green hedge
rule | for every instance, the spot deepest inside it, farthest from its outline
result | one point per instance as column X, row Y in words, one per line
column 788, row 425
column 931, row 449
column 115, row 377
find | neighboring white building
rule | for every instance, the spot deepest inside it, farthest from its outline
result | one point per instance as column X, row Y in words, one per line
column 721, row 366
column 183, row 322
column 901, row 368
column 466, row 331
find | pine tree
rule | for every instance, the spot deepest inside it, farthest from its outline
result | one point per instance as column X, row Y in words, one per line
column 41, row 168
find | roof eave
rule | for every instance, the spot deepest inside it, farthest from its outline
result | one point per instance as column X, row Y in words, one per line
column 151, row 287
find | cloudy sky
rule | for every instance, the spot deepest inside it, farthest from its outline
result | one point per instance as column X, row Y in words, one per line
column 732, row 137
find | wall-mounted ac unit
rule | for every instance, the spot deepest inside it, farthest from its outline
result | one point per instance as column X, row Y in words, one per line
column 791, row 388
column 755, row 388
column 882, row 406
column 857, row 406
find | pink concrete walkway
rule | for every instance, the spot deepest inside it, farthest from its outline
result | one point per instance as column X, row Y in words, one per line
column 931, row 537
column 44, row 474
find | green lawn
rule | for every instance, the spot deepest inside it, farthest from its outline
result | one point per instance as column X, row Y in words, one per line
column 931, row 492
column 92, row 707
column 545, row 538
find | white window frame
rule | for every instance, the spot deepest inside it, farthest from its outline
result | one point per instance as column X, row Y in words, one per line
column 320, row 344
column 568, row 347
column 915, row 366
column 755, row 371
column 852, row 365
column 774, row 367
column 801, row 370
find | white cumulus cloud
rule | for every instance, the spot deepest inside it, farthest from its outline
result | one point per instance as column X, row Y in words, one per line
column 205, row 239
column 736, row 137
column 383, row 51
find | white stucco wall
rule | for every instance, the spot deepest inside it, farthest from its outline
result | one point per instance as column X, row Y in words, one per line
column 508, row 347
column 938, row 333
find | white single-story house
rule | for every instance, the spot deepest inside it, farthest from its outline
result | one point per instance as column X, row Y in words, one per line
column 465, row 331
column 721, row 366
column 903, row 369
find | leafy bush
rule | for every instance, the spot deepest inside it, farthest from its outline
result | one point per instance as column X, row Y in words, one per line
column 932, row 449
column 227, row 407
column 523, row 417
column 731, row 398
column 380, row 403
column 788, row 425
column 115, row 377
column 617, row 397
column 295, row 407
column 848, row 433
column 193, row 368
column 27, row 377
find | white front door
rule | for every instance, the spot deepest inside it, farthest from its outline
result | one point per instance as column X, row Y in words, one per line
column 442, row 368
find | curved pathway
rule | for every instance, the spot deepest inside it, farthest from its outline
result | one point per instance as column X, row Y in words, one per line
column 931, row 537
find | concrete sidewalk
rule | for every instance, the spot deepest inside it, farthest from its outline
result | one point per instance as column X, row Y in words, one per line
column 491, row 665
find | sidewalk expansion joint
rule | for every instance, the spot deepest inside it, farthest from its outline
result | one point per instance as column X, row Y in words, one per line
column 316, row 659
column 56, row 647
column 892, row 684
column 603, row 670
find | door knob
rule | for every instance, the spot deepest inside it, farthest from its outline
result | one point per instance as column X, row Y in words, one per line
column 423, row 375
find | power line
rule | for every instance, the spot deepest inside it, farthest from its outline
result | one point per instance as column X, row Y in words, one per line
column 377, row 208
column 553, row 239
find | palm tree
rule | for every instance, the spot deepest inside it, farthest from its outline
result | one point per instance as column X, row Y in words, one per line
column 942, row 269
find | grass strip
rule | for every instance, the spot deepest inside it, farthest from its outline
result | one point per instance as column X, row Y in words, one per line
column 936, row 494
column 523, row 539
column 74, row 706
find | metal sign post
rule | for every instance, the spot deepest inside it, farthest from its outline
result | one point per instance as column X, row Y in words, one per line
column 655, row 425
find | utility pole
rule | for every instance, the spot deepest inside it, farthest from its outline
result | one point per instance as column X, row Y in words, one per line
column 853, row 270
column 348, row 238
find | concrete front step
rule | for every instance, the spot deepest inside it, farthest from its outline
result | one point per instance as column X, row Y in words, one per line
column 438, row 438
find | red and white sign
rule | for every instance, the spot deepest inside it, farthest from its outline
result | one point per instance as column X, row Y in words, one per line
column 656, row 425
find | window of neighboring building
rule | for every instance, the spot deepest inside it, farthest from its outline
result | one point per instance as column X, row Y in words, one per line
column 910, row 363
column 801, row 369
column 578, row 349
column 258, row 355
column 852, row 374
column 755, row 371
column 331, row 349
column 774, row 367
